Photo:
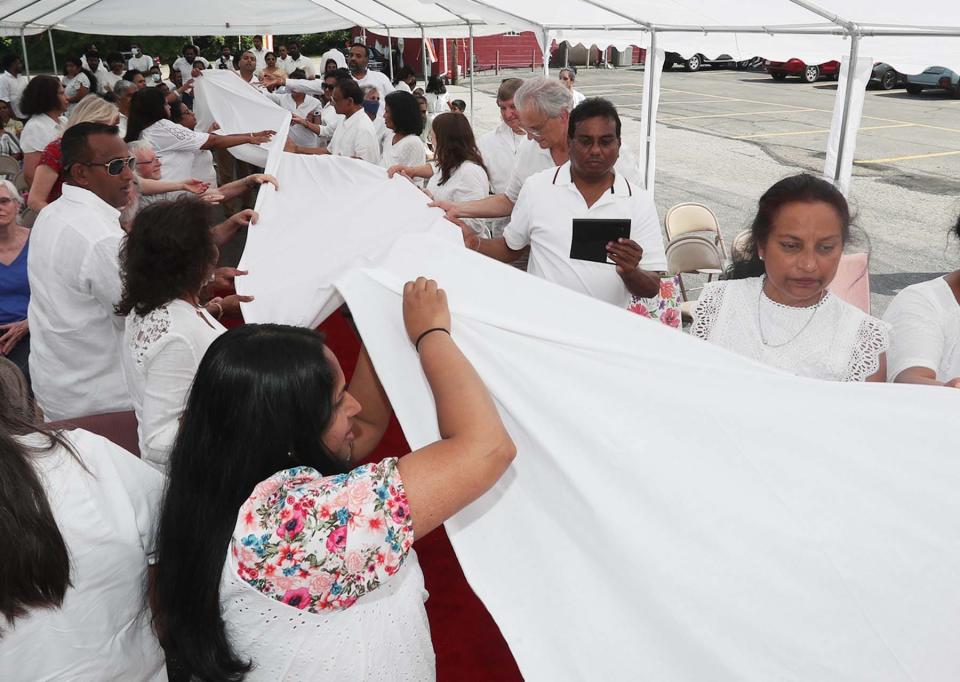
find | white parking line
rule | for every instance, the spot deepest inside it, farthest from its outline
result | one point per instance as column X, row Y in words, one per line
column 735, row 113
column 815, row 132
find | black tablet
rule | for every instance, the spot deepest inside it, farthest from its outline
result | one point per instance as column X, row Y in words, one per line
column 591, row 236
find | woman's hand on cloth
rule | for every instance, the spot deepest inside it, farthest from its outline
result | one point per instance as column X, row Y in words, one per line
column 424, row 308
column 262, row 179
column 224, row 278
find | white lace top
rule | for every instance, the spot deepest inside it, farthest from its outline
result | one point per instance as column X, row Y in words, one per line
column 832, row 340
column 160, row 354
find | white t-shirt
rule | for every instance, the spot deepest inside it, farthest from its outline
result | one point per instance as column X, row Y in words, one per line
column 141, row 63
column 261, row 56
column 437, row 104
column 378, row 80
column 39, row 131
column 160, row 355
column 178, row 149
column 302, row 62
column 409, row 151
column 186, row 68
column 107, row 515
column 300, row 135
column 106, row 81
column 72, row 85
column 925, row 321
column 223, row 63
column 543, row 218
column 499, row 148
column 11, row 90
column 74, row 284
column 356, row 137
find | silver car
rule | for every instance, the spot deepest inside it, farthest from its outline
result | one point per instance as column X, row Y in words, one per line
column 935, row 77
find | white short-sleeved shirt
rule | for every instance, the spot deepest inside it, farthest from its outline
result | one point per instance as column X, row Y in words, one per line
column 178, row 148
column 141, row 63
column 499, row 148
column 107, row 515
column 186, row 68
column 925, row 330
column 378, row 80
column 223, row 63
column 302, row 62
column 261, row 56
column 543, row 218
column 468, row 182
column 300, row 135
column 356, row 137
column 160, row 355
column 39, row 131
column 106, row 81
column 11, row 90
column 74, row 272
column 437, row 104
column 409, row 151
column 72, row 85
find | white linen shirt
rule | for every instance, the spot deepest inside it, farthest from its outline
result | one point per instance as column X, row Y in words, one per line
column 106, row 509
column 925, row 321
column 356, row 137
column 261, row 56
column 409, row 151
column 378, row 80
column 186, row 68
column 74, row 278
column 300, row 135
column 543, row 218
column 39, row 131
column 71, row 86
column 499, row 148
column 106, row 81
column 11, row 90
column 178, row 148
column 468, row 182
column 160, row 355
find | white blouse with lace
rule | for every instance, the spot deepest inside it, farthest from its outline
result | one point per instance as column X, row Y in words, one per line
column 161, row 353
column 831, row 340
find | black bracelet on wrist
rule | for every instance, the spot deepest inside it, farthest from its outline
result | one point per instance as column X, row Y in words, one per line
column 429, row 331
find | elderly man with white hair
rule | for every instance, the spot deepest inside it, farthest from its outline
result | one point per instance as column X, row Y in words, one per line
column 544, row 107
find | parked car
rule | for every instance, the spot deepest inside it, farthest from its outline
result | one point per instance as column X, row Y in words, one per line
column 808, row 73
column 939, row 77
column 698, row 61
column 886, row 77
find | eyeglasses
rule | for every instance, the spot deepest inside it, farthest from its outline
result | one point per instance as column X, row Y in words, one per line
column 5, row 201
column 327, row 86
column 114, row 166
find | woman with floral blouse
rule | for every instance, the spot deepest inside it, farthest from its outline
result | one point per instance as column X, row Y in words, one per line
column 279, row 558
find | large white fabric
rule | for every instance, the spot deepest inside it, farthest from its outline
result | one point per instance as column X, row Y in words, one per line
column 106, row 504
column 224, row 97
column 793, row 531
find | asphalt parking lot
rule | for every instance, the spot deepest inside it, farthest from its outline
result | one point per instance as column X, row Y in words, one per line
column 724, row 136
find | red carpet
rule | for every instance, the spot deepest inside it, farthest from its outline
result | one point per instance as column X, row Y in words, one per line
column 467, row 642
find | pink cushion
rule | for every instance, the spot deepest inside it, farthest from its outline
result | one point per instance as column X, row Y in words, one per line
column 852, row 281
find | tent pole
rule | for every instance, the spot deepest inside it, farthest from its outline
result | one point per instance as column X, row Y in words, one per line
column 546, row 53
column 53, row 53
column 426, row 67
column 648, row 132
column 23, row 44
column 848, row 91
column 390, row 52
column 470, row 26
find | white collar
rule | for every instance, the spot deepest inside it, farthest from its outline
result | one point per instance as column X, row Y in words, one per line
column 621, row 186
column 88, row 198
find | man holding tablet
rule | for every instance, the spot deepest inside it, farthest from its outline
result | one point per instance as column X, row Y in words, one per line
column 587, row 227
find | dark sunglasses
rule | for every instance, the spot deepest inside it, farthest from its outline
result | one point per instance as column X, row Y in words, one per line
column 115, row 166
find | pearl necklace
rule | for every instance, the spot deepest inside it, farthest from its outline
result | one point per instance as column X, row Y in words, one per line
column 763, row 339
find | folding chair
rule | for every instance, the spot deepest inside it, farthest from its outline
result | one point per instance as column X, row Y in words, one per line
column 691, row 217
column 693, row 254
column 852, row 281
column 9, row 167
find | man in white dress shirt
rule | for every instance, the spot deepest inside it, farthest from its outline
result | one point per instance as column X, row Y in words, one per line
column 298, row 61
column 357, row 64
column 356, row 135
column 12, row 82
column 587, row 187
column 500, row 147
column 139, row 61
column 259, row 53
column 75, row 279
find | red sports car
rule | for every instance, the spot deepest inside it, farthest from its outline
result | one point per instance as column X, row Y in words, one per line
column 808, row 73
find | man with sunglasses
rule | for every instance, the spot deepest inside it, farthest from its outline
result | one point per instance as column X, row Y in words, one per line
column 75, row 279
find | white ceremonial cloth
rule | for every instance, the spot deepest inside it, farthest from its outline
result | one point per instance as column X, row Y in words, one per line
column 224, row 97
column 792, row 531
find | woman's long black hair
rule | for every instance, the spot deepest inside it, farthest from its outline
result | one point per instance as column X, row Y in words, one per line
column 261, row 401
column 803, row 187
column 34, row 563
column 147, row 106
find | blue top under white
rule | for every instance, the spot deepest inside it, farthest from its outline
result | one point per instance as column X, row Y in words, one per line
column 14, row 288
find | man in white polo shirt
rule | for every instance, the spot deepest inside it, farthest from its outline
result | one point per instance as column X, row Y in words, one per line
column 585, row 187
column 74, row 273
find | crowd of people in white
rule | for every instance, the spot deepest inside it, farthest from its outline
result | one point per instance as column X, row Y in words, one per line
column 252, row 499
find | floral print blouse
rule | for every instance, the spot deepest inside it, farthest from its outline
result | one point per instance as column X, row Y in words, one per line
column 320, row 543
